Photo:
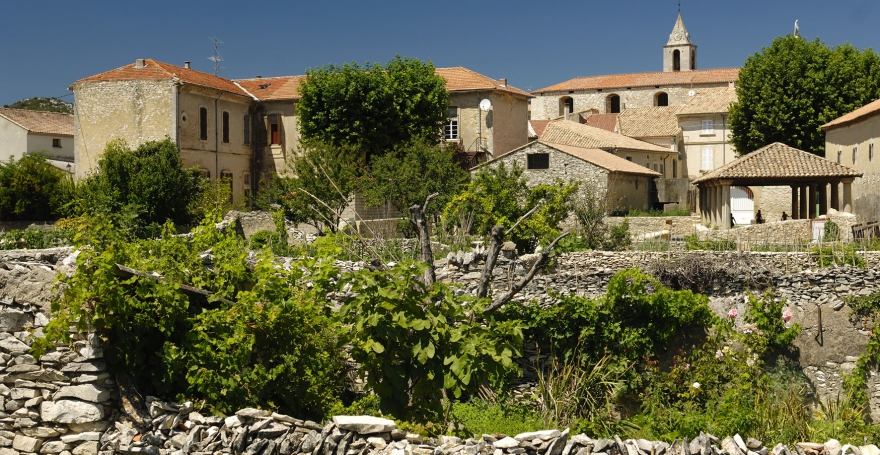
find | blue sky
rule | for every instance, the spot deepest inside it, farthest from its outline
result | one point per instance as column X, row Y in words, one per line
column 47, row 45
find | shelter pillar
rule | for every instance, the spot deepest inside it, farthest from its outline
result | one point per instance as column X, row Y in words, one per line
column 835, row 197
column 794, row 202
column 725, row 203
column 811, row 201
column 823, row 199
column 847, row 195
column 710, row 203
column 802, row 202
column 700, row 200
column 717, row 210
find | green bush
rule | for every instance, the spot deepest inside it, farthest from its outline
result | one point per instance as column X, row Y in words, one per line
column 692, row 242
column 477, row 417
column 31, row 189
column 263, row 337
column 33, row 238
column 831, row 232
column 680, row 210
column 838, row 254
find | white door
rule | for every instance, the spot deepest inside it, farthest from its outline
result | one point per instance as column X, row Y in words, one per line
column 742, row 205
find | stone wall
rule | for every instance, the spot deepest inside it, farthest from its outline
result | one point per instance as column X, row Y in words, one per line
column 62, row 401
column 641, row 225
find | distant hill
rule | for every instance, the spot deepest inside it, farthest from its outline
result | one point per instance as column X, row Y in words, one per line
column 43, row 104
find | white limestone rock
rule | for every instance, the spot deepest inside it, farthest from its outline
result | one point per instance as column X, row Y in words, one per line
column 24, row 443
column 544, row 435
column 70, row 411
column 85, row 392
column 506, row 443
column 364, row 424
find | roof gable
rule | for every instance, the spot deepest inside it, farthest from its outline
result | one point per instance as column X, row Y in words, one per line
column 778, row 161
column 40, row 122
column 155, row 70
column 571, row 133
column 649, row 122
column 607, row 122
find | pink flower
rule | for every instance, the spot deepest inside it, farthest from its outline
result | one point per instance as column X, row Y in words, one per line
column 786, row 315
column 732, row 314
column 719, row 355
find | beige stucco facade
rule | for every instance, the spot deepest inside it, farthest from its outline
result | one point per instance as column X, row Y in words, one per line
column 502, row 128
column 853, row 144
column 695, row 140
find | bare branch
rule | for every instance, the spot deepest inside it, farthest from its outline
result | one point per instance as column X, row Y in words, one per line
column 522, row 218
column 428, row 200
column 417, row 218
column 357, row 237
column 507, row 296
column 491, row 257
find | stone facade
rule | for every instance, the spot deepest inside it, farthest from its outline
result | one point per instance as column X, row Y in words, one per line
column 853, row 144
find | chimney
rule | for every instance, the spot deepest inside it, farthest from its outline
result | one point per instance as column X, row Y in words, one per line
column 139, row 63
column 186, row 65
column 504, row 81
column 258, row 76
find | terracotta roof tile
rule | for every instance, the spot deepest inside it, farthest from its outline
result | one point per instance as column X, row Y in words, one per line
column 463, row 79
column 607, row 122
column 649, row 122
column 154, row 70
column 864, row 111
column 538, row 126
column 571, row 133
column 603, row 159
column 709, row 101
column 718, row 75
column 778, row 161
column 273, row 88
column 40, row 122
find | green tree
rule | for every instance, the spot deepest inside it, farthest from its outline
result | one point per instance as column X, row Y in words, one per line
column 30, row 189
column 324, row 181
column 43, row 104
column 372, row 107
column 410, row 173
column 500, row 195
column 790, row 89
column 147, row 185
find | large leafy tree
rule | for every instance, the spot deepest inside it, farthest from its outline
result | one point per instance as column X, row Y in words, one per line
column 371, row 106
column 790, row 89
column 147, row 186
column 411, row 172
column 30, row 189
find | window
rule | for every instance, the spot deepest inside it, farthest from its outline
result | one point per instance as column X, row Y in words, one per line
column 855, row 153
column 203, row 123
column 538, row 161
column 450, row 128
column 674, row 170
column 871, row 151
column 566, row 105
column 613, row 104
column 274, row 130
column 708, row 127
column 708, row 159
column 56, row 143
column 676, row 60
column 227, row 177
column 247, row 129
column 206, row 174
column 247, row 178
column 225, row 127
column 839, row 155
column 629, row 158
column 661, row 99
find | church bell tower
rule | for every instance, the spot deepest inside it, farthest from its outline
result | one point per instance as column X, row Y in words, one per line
column 679, row 54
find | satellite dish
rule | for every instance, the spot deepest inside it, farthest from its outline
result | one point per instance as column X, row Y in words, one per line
column 485, row 105
column 692, row 93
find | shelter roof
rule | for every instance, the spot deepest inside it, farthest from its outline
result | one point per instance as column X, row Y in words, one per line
column 709, row 101
column 155, row 70
column 650, row 121
column 571, row 133
column 40, row 121
column 778, row 162
column 272, row 88
column 459, row 79
column 661, row 78
column 867, row 110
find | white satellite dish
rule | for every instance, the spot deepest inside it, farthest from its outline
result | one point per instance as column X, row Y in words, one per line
column 692, row 93
column 485, row 105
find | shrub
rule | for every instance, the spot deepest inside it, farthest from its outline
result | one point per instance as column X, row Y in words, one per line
column 477, row 417
column 33, row 238
column 831, row 232
column 31, row 189
column 692, row 242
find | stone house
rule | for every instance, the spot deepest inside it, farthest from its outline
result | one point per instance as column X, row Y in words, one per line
column 500, row 128
column 23, row 132
column 616, row 92
column 705, row 130
column 849, row 140
column 546, row 163
column 656, row 125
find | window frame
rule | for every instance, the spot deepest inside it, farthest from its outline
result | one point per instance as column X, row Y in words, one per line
column 533, row 163
column 203, row 123
column 56, row 143
column 707, row 126
column 274, row 129
column 705, row 152
column 246, row 139
column 224, row 122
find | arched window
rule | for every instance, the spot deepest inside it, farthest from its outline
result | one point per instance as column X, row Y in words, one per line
column 676, row 60
column 566, row 105
column 661, row 99
column 693, row 60
column 612, row 104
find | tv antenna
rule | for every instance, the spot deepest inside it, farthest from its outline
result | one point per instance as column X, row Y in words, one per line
column 216, row 58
